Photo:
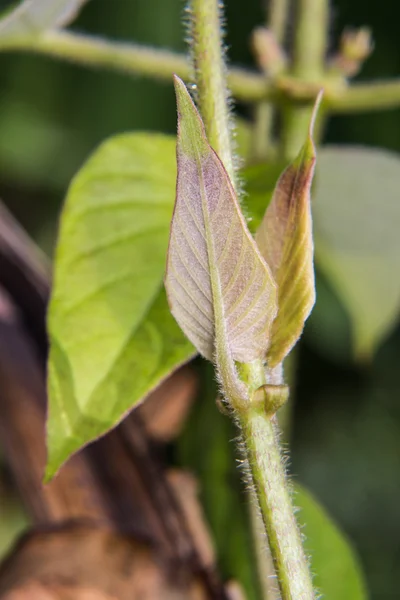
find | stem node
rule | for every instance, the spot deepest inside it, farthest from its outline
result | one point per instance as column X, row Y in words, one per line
column 271, row 397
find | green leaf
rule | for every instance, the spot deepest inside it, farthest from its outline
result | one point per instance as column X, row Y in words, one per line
column 286, row 243
column 220, row 290
column 31, row 17
column 357, row 243
column 337, row 572
column 112, row 338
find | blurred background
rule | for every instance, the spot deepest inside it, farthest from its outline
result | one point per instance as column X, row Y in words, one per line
column 345, row 431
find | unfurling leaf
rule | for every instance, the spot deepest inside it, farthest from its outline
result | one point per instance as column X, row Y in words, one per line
column 220, row 290
column 285, row 241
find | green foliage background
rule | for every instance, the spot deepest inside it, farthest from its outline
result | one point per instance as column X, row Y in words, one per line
column 346, row 422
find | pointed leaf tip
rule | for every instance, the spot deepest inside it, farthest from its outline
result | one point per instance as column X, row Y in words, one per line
column 191, row 132
column 286, row 243
column 220, row 290
column 315, row 111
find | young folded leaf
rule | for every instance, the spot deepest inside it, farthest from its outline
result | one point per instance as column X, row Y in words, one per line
column 285, row 240
column 219, row 288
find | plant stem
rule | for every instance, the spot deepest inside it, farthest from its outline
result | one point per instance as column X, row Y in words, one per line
column 269, row 480
column 366, row 97
column 264, row 564
column 264, row 114
column 210, row 78
column 258, row 433
column 245, row 85
column 310, row 43
column 277, row 18
column 261, row 142
column 308, row 64
column 130, row 58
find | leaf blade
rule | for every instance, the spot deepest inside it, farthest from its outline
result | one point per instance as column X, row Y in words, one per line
column 224, row 307
column 338, row 574
column 111, row 340
column 286, row 243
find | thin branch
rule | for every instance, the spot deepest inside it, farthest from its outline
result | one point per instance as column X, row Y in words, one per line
column 245, row 86
column 130, row 58
column 366, row 97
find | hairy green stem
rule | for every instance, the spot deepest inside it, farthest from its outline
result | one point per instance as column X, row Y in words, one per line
column 268, row 475
column 210, row 77
column 259, row 437
column 277, row 12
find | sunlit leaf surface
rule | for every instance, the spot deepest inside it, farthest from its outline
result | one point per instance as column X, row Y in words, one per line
column 112, row 337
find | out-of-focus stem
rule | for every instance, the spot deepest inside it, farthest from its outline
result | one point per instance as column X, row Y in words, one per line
column 264, row 113
column 308, row 64
column 244, row 85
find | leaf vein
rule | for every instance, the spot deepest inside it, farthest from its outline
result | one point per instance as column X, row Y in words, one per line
column 246, row 312
column 190, row 244
column 185, row 290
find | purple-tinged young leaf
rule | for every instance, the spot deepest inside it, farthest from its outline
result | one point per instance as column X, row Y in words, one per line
column 286, row 242
column 220, row 290
column 33, row 17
